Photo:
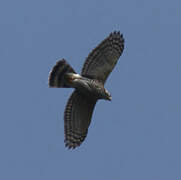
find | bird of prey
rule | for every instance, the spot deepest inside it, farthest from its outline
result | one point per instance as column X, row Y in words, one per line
column 89, row 86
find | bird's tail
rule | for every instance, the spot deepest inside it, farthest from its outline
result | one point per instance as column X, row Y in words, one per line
column 57, row 75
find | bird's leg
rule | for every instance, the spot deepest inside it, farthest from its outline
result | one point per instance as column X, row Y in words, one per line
column 70, row 77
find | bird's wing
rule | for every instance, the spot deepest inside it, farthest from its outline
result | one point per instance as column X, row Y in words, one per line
column 101, row 61
column 77, row 118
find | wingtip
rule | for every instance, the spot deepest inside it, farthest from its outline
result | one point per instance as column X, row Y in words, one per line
column 117, row 33
column 70, row 146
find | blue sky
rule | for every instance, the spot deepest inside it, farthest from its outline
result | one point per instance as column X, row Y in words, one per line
column 136, row 136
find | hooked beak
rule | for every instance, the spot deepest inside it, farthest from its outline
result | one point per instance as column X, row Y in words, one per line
column 109, row 98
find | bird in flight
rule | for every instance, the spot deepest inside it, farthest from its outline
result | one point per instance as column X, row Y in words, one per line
column 89, row 86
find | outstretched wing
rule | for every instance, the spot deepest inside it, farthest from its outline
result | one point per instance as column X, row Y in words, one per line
column 101, row 61
column 77, row 118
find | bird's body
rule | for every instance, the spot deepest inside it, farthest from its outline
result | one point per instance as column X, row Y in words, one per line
column 89, row 86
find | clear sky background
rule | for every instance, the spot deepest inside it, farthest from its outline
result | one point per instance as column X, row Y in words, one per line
column 136, row 136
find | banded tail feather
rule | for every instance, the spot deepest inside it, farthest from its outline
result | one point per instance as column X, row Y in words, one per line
column 57, row 75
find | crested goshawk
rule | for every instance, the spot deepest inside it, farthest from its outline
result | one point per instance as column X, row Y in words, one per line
column 89, row 86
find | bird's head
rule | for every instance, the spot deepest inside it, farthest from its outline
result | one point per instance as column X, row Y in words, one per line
column 108, row 95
